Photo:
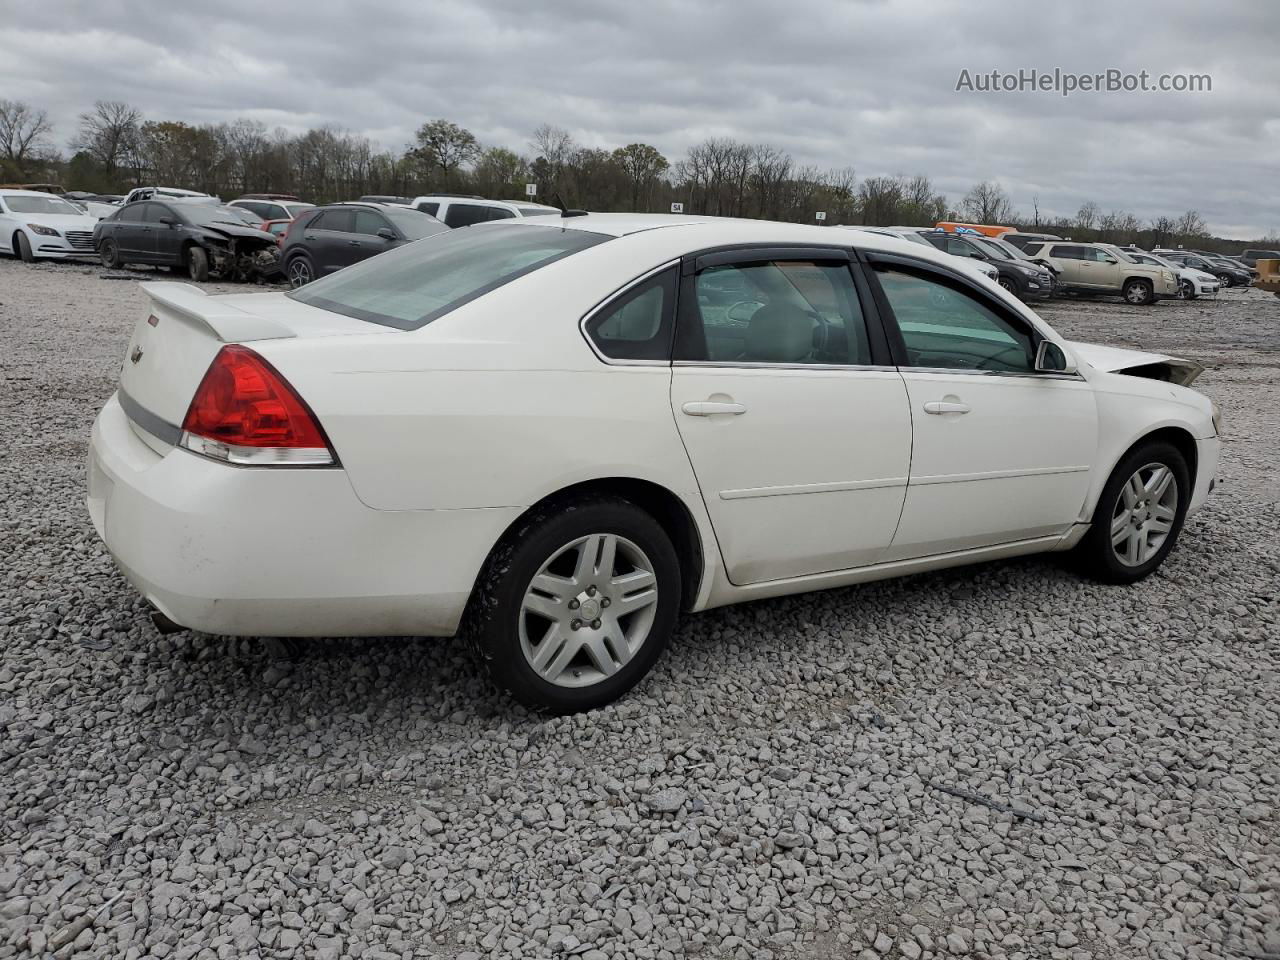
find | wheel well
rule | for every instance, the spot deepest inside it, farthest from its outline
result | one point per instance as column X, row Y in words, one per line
column 660, row 503
column 1181, row 440
column 1146, row 280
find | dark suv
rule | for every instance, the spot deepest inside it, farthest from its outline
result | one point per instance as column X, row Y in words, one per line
column 1024, row 279
column 329, row 238
column 1229, row 274
column 1250, row 258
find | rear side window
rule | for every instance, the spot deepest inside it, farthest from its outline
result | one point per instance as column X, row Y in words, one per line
column 465, row 214
column 341, row 221
column 781, row 312
column 638, row 324
column 412, row 285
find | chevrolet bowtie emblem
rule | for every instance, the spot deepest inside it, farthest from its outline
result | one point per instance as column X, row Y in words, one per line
column 136, row 355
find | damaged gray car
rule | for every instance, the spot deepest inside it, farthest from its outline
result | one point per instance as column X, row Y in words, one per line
column 200, row 240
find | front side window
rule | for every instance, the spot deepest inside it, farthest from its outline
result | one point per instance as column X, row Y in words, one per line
column 945, row 327
column 412, row 285
column 152, row 212
column 637, row 325
column 368, row 222
column 427, row 206
column 780, row 312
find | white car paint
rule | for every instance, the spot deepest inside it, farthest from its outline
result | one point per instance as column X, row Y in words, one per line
column 440, row 206
column 447, row 434
column 167, row 193
column 72, row 232
column 1202, row 284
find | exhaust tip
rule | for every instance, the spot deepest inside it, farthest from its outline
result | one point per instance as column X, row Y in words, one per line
column 164, row 624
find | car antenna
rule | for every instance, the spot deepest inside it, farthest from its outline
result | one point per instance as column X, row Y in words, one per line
column 565, row 211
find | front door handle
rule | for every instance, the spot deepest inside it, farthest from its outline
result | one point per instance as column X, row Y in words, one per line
column 353, row 243
column 945, row 406
column 710, row 408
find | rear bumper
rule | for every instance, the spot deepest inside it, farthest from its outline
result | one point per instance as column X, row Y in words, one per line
column 277, row 552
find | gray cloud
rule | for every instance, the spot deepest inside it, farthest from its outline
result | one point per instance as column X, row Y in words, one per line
column 858, row 83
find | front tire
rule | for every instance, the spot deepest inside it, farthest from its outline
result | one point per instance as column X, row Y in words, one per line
column 1225, row 280
column 1139, row 293
column 197, row 264
column 110, row 255
column 1010, row 286
column 1186, row 290
column 22, row 247
column 575, row 607
column 1139, row 515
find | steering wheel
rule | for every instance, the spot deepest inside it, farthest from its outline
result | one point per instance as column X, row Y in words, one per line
column 743, row 303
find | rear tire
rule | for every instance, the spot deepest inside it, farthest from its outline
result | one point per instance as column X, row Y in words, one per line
column 22, row 247
column 1139, row 515
column 300, row 270
column 1139, row 293
column 557, row 630
column 197, row 264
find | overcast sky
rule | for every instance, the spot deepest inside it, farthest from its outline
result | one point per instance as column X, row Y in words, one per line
column 859, row 83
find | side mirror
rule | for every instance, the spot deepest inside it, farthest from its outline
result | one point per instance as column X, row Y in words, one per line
column 1052, row 358
column 387, row 234
column 167, row 221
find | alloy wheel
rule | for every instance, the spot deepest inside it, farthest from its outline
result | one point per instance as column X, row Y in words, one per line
column 299, row 273
column 588, row 610
column 1144, row 514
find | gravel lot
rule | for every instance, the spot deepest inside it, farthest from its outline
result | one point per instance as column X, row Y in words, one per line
column 778, row 788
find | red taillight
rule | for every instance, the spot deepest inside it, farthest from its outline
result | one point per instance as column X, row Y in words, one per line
column 245, row 412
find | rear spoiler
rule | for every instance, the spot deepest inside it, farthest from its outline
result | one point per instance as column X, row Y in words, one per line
column 229, row 324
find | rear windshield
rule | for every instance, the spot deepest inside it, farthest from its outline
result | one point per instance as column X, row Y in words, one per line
column 412, row 285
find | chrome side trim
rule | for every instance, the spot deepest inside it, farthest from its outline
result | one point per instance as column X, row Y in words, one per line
column 604, row 302
column 994, row 475
column 755, row 364
column 991, row 373
column 836, row 486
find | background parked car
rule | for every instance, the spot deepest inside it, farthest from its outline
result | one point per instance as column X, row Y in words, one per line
column 326, row 239
column 1020, row 240
column 35, row 224
column 1250, row 258
column 381, row 198
column 1025, row 280
column 169, row 193
column 1228, row 274
column 917, row 237
column 1087, row 269
column 1191, row 283
column 456, row 211
column 200, row 238
column 272, row 206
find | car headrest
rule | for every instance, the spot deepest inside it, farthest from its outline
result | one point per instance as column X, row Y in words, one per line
column 779, row 333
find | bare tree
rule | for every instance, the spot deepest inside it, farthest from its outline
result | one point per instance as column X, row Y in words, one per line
column 24, row 134
column 987, row 203
column 1086, row 216
column 109, row 134
column 1190, row 226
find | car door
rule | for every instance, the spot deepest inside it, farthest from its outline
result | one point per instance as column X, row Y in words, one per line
column 1000, row 453
column 8, row 227
column 1068, row 259
column 165, row 239
column 1102, row 269
column 793, row 416
column 328, row 237
column 128, row 234
column 367, row 241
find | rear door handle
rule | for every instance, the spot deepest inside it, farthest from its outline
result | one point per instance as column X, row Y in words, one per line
column 945, row 406
column 710, row 408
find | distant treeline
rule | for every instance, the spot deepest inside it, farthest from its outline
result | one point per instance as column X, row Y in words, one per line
column 115, row 148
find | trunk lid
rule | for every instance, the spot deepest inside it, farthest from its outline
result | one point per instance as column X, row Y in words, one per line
column 182, row 331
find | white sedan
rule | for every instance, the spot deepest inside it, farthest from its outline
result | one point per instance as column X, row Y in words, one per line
column 37, row 225
column 555, row 435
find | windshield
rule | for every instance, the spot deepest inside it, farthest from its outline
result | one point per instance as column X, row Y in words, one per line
column 204, row 215
column 296, row 208
column 247, row 216
column 995, row 250
column 414, row 284
column 49, row 204
column 1121, row 254
column 414, row 224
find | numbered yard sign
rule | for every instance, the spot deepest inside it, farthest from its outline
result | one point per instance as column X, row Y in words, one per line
column 677, row 208
column 530, row 189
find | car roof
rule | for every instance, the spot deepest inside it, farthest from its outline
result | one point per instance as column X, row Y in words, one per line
column 13, row 192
